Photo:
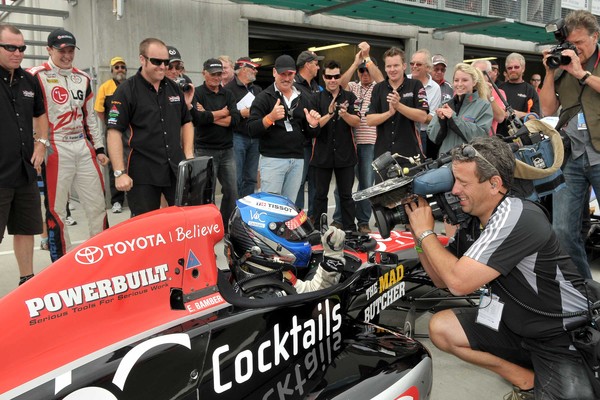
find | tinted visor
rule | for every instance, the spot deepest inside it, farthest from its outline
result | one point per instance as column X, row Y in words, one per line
column 297, row 229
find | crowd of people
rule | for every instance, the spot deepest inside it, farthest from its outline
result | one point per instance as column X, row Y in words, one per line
column 295, row 131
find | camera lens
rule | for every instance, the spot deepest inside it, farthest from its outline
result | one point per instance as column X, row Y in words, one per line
column 388, row 218
column 554, row 60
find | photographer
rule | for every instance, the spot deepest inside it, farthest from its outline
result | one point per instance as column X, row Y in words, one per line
column 574, row 85
column 508, row 245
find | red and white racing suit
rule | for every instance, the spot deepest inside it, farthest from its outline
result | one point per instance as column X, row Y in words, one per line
column 75, row 140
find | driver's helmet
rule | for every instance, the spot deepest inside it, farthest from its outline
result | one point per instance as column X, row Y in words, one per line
column 273, row 229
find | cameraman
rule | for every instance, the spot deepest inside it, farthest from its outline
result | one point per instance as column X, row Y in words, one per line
column 508, row 245
column 575, row 87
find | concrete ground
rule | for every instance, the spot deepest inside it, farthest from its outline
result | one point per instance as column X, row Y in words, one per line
column 453, row 378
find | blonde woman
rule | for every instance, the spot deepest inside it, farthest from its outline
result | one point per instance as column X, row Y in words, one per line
column 467, row 115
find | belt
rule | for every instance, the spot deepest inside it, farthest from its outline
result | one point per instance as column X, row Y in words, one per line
column 68, row 138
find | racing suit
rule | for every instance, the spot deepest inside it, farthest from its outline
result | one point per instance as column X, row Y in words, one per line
column 75, row 141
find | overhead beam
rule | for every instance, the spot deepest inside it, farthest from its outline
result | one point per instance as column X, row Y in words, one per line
column 36, row 43
column 438, row 33
column 334, row 7
column 30, row 27
column 34, row 11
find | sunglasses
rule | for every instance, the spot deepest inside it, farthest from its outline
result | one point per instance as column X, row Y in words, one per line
column 176, row 67
column 515, row 67
column 363, row 70
column 124, row 68
column 12, row 48
column 536, row 80
column 415, row 64
column 469, row 151
column 328, row 77
column 157, row 61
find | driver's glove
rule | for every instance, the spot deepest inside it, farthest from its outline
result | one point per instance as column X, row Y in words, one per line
column 333, row 249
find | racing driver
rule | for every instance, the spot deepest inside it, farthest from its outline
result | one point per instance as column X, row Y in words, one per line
column 76, row 146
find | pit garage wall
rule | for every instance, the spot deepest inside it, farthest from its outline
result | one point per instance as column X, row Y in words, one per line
column 201, row 29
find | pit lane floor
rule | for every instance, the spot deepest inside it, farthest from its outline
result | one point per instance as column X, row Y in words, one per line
column 453, row 378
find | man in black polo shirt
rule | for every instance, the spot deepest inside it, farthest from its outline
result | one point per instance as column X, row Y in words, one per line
column 21, row 105
column 396, row 104
column 215, row 113
column 245, row 148
column 155, row 110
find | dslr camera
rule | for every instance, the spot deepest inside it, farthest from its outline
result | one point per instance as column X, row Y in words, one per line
column 556, row 59
column 432, row 180
column 183, row 84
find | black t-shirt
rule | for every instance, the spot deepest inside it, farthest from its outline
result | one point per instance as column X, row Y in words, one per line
column 239, row 91
column 398, row 134
column 155, row 120
column 334, row 147
column 20, row 101
column 519, row 243
column 521, row 97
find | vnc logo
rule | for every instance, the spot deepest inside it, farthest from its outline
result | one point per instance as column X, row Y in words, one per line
column 257, row 215
column 89, row 255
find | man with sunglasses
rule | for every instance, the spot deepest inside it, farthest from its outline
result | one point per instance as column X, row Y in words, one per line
column 21, row 156
column 520, row 95
column 509, row 246
column 283, row 120
column 176, row 68
column 118, row 70
column 214, row 113
column 334, row 150
column 245, row 148
column 76, row 142
column 150, row 113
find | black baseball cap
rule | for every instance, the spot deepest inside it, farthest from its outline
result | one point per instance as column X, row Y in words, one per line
column 174, row 54
column 307, row 56
column 284, row 63
column 213, row 65
column 59, row 39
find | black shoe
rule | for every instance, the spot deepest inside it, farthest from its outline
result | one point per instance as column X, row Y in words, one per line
column 24, row 279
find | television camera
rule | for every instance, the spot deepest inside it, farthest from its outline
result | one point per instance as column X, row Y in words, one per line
column 432, row 179
column 556, row 58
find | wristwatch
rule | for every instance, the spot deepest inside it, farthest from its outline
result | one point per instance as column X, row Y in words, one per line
column 423, row 235
column 118, row 173
column 45, row 142
column 584, row 78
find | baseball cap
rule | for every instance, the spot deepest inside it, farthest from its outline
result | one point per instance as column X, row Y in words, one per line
column 438, row 59
column 285, row 63
column 59, row 39
column 307, row 56
column 245, row 62
column 174, row 54
column 213, row 65
column 116, row 60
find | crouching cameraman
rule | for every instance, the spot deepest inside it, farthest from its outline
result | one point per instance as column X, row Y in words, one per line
column 510, row 246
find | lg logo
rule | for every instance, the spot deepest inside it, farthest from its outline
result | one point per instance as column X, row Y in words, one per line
column 60, row 95
column 89, row 255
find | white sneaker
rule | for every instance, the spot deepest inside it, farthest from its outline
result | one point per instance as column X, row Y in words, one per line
column 116, row 208
column 70, row 221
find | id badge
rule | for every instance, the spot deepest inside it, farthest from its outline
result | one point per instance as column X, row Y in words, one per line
column 288, row 125
column 490, row 311
column 581, row 124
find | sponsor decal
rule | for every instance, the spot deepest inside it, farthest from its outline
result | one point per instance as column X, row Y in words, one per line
column 88, row 295
column 389, row 287
column 298, row 220
column 52, row 80
column 523, row 95
column 76, row 78
column 114, row 112
column 407, row 95
column 282, row 345
column 192, row 261
column 59, row 95
column 174, row 99
column 93, row 254
column 411, row 394
column 28, row 93
column 268, row 206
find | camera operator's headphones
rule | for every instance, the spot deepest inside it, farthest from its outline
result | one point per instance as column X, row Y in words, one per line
column 526, row 171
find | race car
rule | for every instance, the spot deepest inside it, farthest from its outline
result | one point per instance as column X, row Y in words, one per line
column 142, row 311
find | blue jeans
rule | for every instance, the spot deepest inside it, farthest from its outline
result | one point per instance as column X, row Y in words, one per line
column 567, row 209
column 224, row 165
column 364, row 172
column 281, row 175
column 307, row 176
column 246, row 153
